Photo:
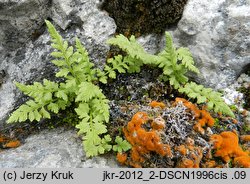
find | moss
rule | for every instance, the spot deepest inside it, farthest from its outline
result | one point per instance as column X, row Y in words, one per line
column 144, row 16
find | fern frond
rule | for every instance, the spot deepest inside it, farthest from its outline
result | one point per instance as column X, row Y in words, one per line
column 39, row 91
column 87, row 91
column 82, row 66
column 132, row 48
column 56, row 37
column 102, row 76
column 168, row 61
column 31, row 110
column 134, row 65
column 94, row 145
column 121, row 145
column 207, row 95
column 100, row 109
column 94, row 114
column 185, row 56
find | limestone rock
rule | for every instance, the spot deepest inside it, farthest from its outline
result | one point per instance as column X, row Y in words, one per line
column 21, row 21
column 56, row 148
column 217, row 33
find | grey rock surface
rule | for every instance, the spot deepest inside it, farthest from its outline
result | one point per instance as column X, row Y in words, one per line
column 218, row 35
column 21, row 21
column 25, row 65
column 56, row 148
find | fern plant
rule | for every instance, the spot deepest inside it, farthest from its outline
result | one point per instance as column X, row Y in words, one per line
column 78, row 89
column 122, row 145
column 175, row 63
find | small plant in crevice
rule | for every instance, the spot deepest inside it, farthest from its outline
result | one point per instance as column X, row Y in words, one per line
column 175, row 63
column 79, row 89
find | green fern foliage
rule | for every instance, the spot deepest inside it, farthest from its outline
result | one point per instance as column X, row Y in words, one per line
column 132, row 48
column 42, row 94
column 79, row 89
column 214, row 100
column 175, row 63
column 121, row 145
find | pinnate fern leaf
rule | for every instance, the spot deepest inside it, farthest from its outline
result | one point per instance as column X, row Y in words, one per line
column 121, row 145
column 29, row 111
column 78, row 88
column 94, row 112
column 207, row 95
column 132, row 48
column 87, row 91
column 185, row 56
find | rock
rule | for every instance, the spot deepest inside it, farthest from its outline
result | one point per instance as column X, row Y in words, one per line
column 217, row 33
column 61, row 12
column 21, row 21
column 56, row 148
column 26, row 65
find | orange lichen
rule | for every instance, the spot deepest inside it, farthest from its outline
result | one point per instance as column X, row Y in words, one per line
column 202, row 117
column 191, row 160
column 210, row 164
column 121, row 157
column 242, row 161
column 244, row 112
column 227, row 147
column 157, row 104
column 12, row 144
column 191, row 155
column 144, row 141
column 182, row 149
column 7, row 142
column 186, row 163
column 1, row 139
column 235, row 121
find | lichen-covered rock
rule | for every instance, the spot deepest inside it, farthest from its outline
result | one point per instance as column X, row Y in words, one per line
column 56, row 148
column 144, row 16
